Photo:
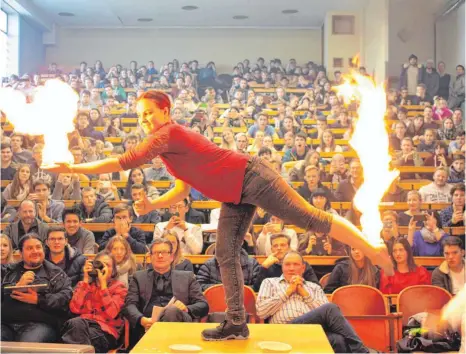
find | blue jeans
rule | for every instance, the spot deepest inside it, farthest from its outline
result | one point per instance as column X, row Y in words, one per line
column 265, row 188
column 336, row 328
column 28, row 332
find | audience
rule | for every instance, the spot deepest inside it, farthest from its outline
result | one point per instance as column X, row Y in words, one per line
column 7, row 170
column 21, row 186
column 274, row 226
column 34, row 316
column 93, row 208
column 427, row 241
column 439, row 190
column 453, row 216
column 125, row 261
column 450, row 275
column 78, row 237
column 48, row 210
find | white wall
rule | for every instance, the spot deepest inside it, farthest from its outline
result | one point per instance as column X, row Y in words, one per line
column 31, row 49
column 223, row 46
column 374, row 53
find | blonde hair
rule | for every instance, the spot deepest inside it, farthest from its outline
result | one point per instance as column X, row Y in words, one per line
column 177, row 256
column 10, row 248
column 129, row 256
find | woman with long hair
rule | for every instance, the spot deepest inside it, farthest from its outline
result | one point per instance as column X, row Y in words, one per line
column 240, row 182
column 6, row 250
column 354, row 270
column 427, row 242
column 407, row 273
column 126, row 264
column 115, row 129
column 228, row 139
column 95, row 118
column 312, row 158
column 21, row 185
column 137, row 176
column 327, row 143
column 179, row 262
column 448, row 130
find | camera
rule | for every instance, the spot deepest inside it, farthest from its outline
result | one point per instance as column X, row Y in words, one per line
column 96, row 265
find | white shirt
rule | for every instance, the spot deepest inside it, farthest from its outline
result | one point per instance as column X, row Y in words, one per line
column 191, row 240
column 457, row 280
column 263, row 241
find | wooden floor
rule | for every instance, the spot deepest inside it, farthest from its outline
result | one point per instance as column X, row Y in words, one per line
column 302, row 338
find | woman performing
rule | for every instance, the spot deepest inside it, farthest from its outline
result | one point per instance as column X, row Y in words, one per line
column 240, row 182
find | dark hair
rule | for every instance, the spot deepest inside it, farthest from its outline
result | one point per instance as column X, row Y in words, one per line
column 122, row 207
column 264, row 151
column 275, row 236
column 301, row 134
column 28, row 236
column 72, row 211
column 40, row 181
column 457, row 187
column 410, row 259
column 55, row 228
column 159, row 241
column 320, row 192
column 5, row 146
column 460, row 66
column 129, row 183
column 452, row 241
column 161, row 99
column 139, row 186
column 114, row 263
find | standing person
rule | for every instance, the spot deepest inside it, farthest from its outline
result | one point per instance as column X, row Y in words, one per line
column 251, row 183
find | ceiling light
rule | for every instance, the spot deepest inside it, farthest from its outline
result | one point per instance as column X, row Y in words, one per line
column 66, row 14
column 289, row 11
column 240, row 17
column 189, row 7
column 145, row 19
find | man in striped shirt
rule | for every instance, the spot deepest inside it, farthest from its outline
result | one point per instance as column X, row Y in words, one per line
column 291, row 299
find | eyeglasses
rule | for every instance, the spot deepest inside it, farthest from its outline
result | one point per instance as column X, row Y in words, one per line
column 60, row 239
column 163, row 253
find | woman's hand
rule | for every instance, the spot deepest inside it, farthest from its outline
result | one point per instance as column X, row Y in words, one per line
column 59, row 167
column 143, row 206
column 102, row 275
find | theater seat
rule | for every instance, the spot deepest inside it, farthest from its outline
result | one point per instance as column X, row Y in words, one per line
column 124, row 339
column 324, row 280
column 421, row 298
column 366, row 309
column 31, row 347
column 215, row 296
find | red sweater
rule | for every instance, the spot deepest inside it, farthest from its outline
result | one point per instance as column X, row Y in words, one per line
column 190, row 157
column 394, row 284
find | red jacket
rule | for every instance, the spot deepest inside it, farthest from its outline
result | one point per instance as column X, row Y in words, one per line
column 394, row 284
column 101, row 306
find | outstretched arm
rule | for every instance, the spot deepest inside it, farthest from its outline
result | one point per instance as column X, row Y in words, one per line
column 97, row 167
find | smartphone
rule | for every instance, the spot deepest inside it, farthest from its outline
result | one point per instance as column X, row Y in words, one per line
column 420, row 217
column 24, row 289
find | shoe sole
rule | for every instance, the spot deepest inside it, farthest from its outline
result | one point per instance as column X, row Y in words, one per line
column 230, row 337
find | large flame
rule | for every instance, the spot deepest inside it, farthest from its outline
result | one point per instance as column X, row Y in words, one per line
column 50, row 114
column 370, row 141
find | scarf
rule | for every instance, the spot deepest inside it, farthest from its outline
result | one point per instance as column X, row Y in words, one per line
column 123, row 272
column 428, row 236
column 449, row 134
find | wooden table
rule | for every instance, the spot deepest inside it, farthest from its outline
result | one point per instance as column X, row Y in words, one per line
column 303, row 338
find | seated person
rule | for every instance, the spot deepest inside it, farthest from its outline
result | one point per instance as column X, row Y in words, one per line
column 272, row 266
column 347, row 188
column 428, row 144
column 27, row 223
column 395, row 194
column 426, row 242
column 209, row 272
column 158, row 171
column 450, row 275
column 457, row 145
column 274, row 226
column 157, row 286
column 21, row 185
column 125, row 261
column 453, row 216
column 193, row 216
column 456, row 174
column 61, row 254
column 20, row 154
column 300, row 149
column 67, row 187
column 136, row 175
column 106, row 189
column 78, row 237
column 312, row 184
column 98, row 301
column 289, row 298
column 439, row 190
column 138, row 192
column 122, row 220
column 338, row 171
column 48, row 210
column 6, row 250
column 407, row 157
column 93, row 208
column 407, row 273
column 414, row 201
column 440, row 156
column 190, row 235
column 34, row 316
column 179, row 262
column 8, row 171
column 357, row 266
column 262, row 124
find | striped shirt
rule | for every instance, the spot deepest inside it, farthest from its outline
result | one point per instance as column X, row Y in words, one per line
column 273, row 303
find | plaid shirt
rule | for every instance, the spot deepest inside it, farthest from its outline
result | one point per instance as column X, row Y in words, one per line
column 101, row 306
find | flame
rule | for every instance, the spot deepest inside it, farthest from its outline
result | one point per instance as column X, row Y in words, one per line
column 370, row 141
column 50, row 114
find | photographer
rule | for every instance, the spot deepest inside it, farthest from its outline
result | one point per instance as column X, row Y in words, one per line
column 98, row 300
column 233, row 118
column 275, row 226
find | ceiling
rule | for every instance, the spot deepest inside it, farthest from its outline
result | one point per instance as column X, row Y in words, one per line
column 210, row 13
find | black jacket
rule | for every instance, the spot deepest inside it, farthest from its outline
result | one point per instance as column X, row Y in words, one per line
column 74, row 263
column 275, row 271
column 209, row 273
column 136, row 239
column 184, row 286
column 340, row 275
column 53, row 304
column 306, row 193
column 101, row 213
column 195, row 217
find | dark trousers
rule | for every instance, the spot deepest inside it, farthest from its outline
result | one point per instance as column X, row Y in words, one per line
column 28, row 332
column 82, row 331
column 340, row 334
column 265, row 188
column 170, row 314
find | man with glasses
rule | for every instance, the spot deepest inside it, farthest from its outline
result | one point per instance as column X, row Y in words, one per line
column 157, row 287
column 61, row 254
column 190, row 235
